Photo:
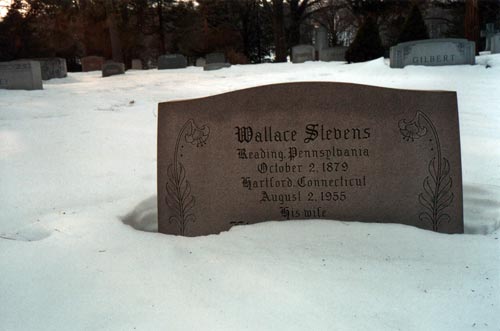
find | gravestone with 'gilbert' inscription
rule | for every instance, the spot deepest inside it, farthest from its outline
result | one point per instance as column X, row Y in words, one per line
column 433, row 52
column 309, row 151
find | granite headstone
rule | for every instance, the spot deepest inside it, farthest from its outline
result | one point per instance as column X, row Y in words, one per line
column 303, row 53
column 137, row 64
column 172, row 61
column 200, row 62
column 215, row 66
column 215, row 58
column 488, row 33
column 111, row 68
column 21, row 75
column 433, row 52
column 92, row 63
column 495, row 43
column 336, row 53
column 53, row 67
column 308, row 151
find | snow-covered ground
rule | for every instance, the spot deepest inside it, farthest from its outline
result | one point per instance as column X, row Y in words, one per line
column 78, row 160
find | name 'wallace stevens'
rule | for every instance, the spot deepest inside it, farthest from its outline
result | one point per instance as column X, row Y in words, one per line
column 313, row 131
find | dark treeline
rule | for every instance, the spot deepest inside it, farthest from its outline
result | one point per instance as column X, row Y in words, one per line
column 247, row 31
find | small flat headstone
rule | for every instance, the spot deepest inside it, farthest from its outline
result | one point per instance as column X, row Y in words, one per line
column 92, row 63
column 215, row 66
column 200, row 62
column 303, row 53
column 53, row 67
column 136, row 64
column 310, row 151
column 172, row 61
column 112, row 69
column 336, row 53
column 433, row 52
column 21, row 75
column 495, row 43
column 215, row 58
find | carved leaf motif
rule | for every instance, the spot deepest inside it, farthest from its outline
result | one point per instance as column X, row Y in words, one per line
column 445, row 185
column 443, row 217
column 179, row 197
column 437, row 195
column 190, row 205
column 432, row 170
column 425, row 217
column 425, row 201
column 175, row 220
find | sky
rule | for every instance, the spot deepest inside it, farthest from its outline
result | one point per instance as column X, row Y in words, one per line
column 4, row 6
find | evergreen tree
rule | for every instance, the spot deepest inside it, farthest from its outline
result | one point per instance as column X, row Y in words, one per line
column 414, row 27
column 12, row 32
column 367, row 44
column 19, row 37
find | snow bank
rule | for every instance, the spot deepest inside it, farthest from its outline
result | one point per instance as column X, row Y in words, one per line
column 489, row 60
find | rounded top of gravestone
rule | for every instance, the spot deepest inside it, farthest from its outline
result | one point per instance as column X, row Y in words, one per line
column 434, row 41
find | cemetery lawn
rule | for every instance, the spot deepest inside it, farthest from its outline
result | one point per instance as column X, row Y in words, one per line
column 78, row 160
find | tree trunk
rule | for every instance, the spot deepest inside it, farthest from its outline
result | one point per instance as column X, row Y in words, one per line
column 296, row 12
column 472, row 21
column 161, row 29
column 114, row 33
column 279, row 31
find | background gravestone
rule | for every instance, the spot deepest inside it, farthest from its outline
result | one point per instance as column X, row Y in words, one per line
column 200, row 62
column 21, row 75
column 137, row 64
column 215, row 66
column 310, row 150
column 433, row 52
column 215, row 58
column 172, row 61
column 53, row 67
column 495, row 43
column 336, row 53
column 302, row 53
column 320, row 39
column 92, row 63
column 488, row 33
column 215, row 61
column 112, row 68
